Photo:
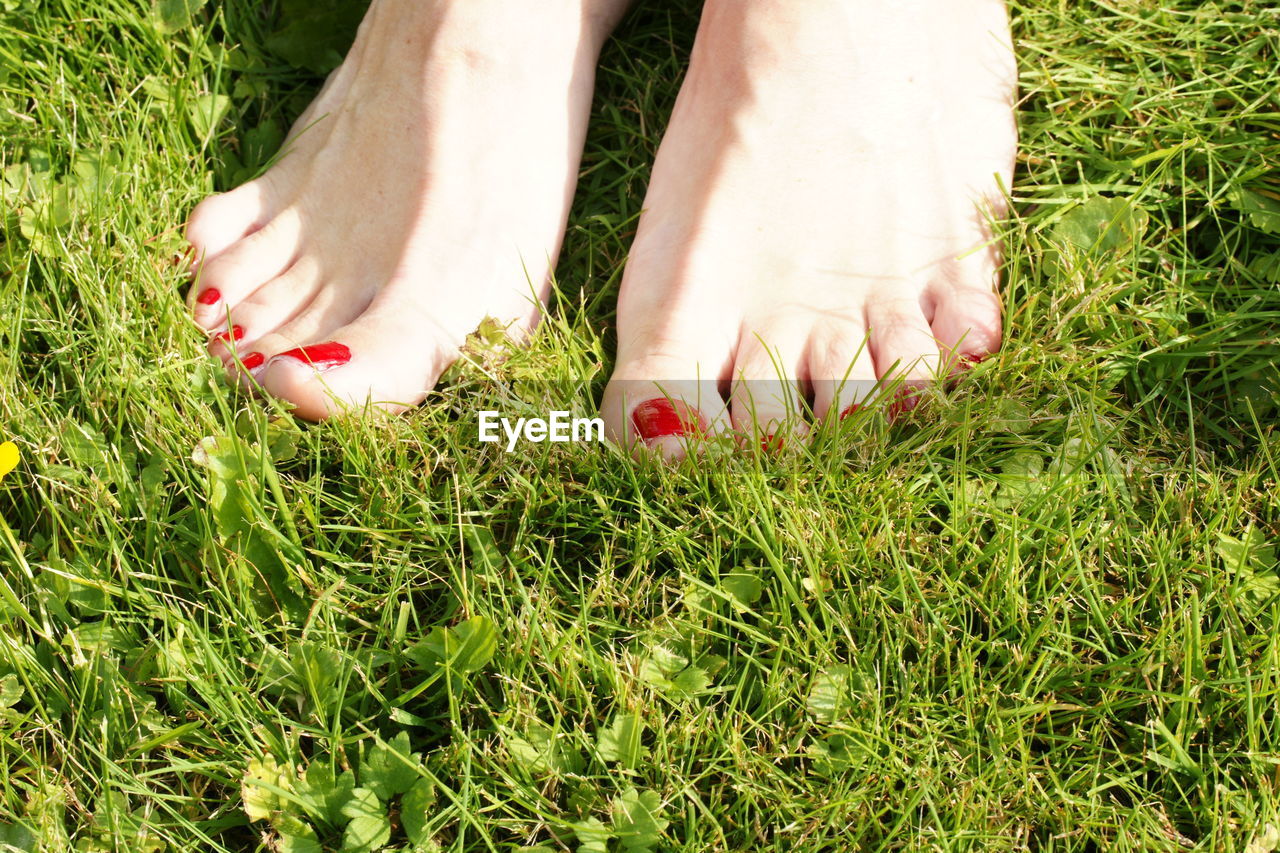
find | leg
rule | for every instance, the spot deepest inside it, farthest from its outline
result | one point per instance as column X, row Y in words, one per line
column 425, row 189
column 816, row 214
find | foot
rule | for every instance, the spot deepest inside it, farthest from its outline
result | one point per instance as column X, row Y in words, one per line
column 817, row 219
column 424, row 190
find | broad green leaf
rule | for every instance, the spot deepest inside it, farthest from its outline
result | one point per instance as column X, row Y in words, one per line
column 10, row 691
column 829, row 694
column 206, row 112
column 744, row 587
column 621, row 741
column 316, row 34
column 296, row 836
column 593, row 836
column 1252, row 562
column 660, row 665
column 1249, row 553
column 833, row 754
column 691, row 681
column 316, row 668
column 363, row 803
column 242, row 523
column 1266, row 840
column 367, row 833
column 637, row 820
column 369, row 827
column 465, row 648
column 262, row 779
column 98, row 175
column 1019, row 477
column 322, row 795
column 19, row 838
column 390, row 768
column 415, row 809
column 670, row 672
column 1266, row 267
column 1261, row 211
column 540, row 751
column 1102, row 226
column 170, row 16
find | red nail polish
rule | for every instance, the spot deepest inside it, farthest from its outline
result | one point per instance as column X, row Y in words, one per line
column 905, row 399
column 970, row 359
column 849, row 411
column 253, row 361
column 236, row 333
column 322, row 357
column 772, row 443
column 209, row 296
column 660, row 418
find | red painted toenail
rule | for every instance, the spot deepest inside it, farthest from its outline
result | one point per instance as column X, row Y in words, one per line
column 660, row 418
column 849, row 411
column 905, row 399
column 253, row 361
column 970, row 359
column 772, row 443
column 324, row 356
column 236, row 333
column 209, row 296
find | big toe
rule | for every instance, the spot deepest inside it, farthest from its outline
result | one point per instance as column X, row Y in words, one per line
column 663, row 399
column 384, row 360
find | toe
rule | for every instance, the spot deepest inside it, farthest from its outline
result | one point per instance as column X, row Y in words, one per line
column 841, row 371
column 387, row 360
column 221, row 220
column 967, row 323
column 225, row 281
column 270, row 308
column 902, row 342
column 767, row 401
column 329, row 310
column 661, row 398
column 903, row 348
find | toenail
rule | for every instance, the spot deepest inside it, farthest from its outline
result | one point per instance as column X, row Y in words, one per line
column 849, row 411
column 209, row 296
column 660, row 418
column 253, row 361
column 773, row 443
column 322, row 357
column 971, row 359
column 236, row 333
column 905, row 399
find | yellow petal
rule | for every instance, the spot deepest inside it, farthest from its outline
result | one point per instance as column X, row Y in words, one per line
column 8, row 458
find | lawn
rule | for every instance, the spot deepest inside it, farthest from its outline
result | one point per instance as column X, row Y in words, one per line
column 1042, row 612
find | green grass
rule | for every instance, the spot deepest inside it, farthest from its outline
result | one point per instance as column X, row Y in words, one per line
column 1041, row 614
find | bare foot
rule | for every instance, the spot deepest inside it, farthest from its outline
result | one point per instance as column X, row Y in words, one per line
column 424, row 190
column 816, row 220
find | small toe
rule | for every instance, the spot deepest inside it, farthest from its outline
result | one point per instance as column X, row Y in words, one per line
column 767, row 400
column 221, row 220
column 902, row 343
column 842, row 372
column 222, row 283
column 271, row 308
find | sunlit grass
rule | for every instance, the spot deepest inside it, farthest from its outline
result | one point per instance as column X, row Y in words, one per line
column 1039, row 613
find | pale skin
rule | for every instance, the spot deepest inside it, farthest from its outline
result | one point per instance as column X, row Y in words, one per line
column 818, row 216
